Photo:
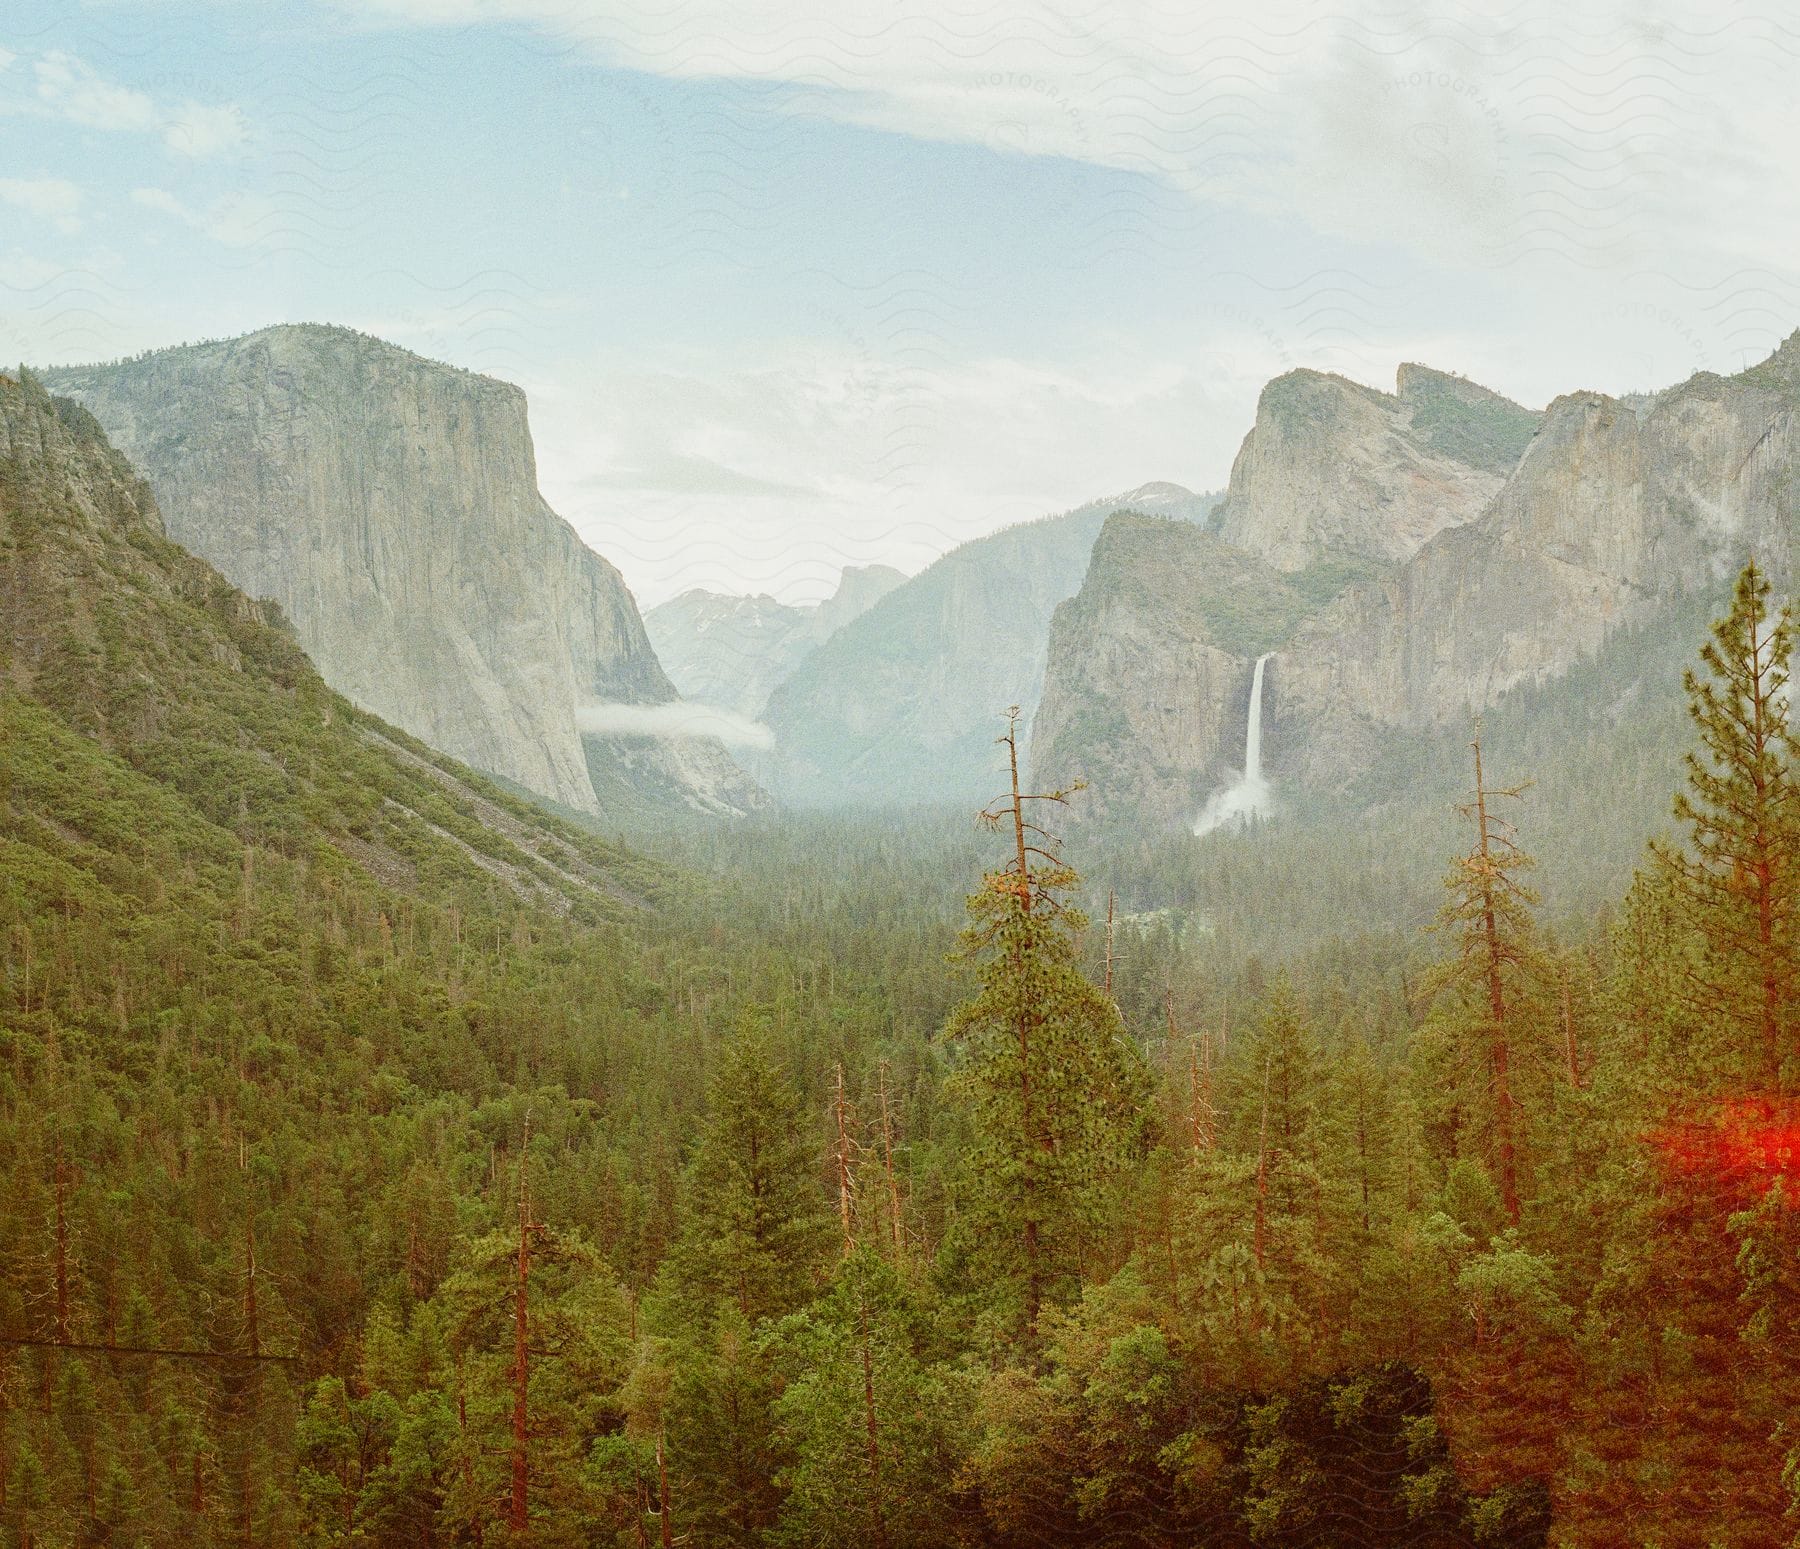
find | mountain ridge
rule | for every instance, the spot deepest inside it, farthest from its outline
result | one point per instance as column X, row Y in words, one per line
column 389, row 504
column 904, row 702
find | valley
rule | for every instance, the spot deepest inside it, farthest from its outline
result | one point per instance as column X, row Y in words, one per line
column 1065, row 1166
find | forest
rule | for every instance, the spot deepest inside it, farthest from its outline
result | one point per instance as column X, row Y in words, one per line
column 389, row 1162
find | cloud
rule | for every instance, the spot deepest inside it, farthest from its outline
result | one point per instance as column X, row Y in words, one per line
column 161, row 199
column 684, row 718
column 80, row 95
column 202, row 132
column 236, row 220
column 69, row 89
column 860, row 457
column 1604, row 137
column 21, row 272
column 54, row 199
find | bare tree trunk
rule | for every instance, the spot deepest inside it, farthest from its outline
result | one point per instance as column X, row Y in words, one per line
column 845, row 1213
column 887, row 1153
column 667, row 1525
column 64, row 1317
column 1764, row 873
column 1499, row 1048
column 1112, row 899
column 1569, row 1046
column 877, row 1518
column 1258, row 1235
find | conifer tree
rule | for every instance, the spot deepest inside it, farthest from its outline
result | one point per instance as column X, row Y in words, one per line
column 872, row 1426
column 540, row 1329
column 723, row 1440
column 756, row 1229
column 1738, row 878
column 1051, row 1077
column 1488, row 911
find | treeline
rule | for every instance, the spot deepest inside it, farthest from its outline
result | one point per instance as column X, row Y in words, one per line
column 753, row 1222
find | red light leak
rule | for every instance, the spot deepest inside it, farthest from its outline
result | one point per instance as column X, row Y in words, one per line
column 1750, row 1142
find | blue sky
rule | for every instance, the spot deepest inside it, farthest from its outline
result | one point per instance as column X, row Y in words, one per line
column 793, row 286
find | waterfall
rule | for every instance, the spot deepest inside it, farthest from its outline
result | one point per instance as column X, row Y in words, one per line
column 1248, row 797
column 1253, row 732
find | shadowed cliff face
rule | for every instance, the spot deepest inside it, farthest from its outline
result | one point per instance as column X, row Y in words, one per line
column 1148, row 682
column 389, row 505
column 904, row 703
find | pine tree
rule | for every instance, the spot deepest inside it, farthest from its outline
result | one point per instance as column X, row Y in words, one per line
column 756, row 1229
column 1488, row 911
column 1738, row 879
column 539, row 1328
column 1053, row 1082
column 722, row 1432
column 873, row 1427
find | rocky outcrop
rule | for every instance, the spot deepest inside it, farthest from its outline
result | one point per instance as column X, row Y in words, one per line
column 1333, row 470
column 1615, row 510
column 389, row 505
column 733, row 651
column 904, row 703
column 150, row 712
column 1149, row 670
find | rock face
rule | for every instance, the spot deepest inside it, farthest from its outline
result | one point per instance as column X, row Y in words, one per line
column 1148, row 681
column 734, row 651
column 1614, row 511
column 389, row 505
column 904, row 703
column 189, row 719
column 1335, row 470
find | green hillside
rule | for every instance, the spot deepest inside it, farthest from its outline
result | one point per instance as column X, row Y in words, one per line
column 392, row 1162
column 272, row 972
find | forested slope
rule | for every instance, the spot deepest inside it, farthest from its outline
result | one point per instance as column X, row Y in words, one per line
column 268, row 968
column 391, row 1163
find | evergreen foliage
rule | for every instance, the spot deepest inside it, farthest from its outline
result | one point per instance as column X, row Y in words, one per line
column 391, row 1162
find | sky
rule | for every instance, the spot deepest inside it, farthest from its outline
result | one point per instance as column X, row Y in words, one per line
column 795, row 286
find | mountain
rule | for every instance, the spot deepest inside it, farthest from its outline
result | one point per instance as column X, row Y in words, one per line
column 1335, row 470
column 733, row 651
column 388, row 505
column 1613, row 512
column 904, row 703
column 1616, row 510
column 1145, row 691
column 157, row 716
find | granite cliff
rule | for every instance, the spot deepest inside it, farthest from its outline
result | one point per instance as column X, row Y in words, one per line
column 1335, row 470
column 389, row 505
column 1148, row 677
column 1611, row 512
column 1616, row 510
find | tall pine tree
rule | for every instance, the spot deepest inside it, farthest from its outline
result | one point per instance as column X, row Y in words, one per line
column 1738, row 877
column 1053, row 1081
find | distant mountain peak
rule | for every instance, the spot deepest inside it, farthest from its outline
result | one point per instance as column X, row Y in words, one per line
column 734, row 650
